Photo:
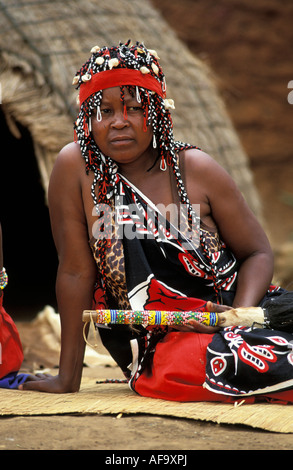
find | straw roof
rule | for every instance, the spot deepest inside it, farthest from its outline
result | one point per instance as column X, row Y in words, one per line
column 44, row 42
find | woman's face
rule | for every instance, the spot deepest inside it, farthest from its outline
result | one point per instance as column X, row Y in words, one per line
column 119, row 136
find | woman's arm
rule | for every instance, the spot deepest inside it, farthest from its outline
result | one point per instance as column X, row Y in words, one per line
column 76, row 272
column 222, row 202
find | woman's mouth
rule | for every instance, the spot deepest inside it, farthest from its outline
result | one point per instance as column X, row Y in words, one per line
column 121, row 140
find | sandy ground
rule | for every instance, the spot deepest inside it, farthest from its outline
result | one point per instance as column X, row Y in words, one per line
column 126, row 432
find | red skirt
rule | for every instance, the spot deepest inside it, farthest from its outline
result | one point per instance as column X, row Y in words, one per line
column 177, row 373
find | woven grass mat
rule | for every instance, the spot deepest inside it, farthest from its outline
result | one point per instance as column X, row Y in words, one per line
column 118, row 398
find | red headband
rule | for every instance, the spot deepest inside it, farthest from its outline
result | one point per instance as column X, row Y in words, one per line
column 119, row 77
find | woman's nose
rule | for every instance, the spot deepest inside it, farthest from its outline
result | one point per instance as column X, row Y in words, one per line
column 120, row 119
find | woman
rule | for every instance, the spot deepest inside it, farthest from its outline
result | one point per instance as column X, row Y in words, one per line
column 132, row 256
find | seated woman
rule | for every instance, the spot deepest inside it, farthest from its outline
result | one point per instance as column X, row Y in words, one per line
column 144, row 222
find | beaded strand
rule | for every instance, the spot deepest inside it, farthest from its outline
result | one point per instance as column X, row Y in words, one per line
column 3, row 279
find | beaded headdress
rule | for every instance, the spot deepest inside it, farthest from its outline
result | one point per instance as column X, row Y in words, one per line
column 136, row 68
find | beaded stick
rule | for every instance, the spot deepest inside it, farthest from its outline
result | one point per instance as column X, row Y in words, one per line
column 232, row 317
column 149, row 317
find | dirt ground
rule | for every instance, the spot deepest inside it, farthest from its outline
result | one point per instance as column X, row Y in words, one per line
column 249, row 46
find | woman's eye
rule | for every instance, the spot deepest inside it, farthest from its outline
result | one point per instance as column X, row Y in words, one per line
column 134, row 108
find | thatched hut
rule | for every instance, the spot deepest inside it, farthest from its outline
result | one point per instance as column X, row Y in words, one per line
column 44, row 42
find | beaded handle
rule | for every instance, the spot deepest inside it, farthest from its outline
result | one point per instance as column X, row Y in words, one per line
column 149, row 317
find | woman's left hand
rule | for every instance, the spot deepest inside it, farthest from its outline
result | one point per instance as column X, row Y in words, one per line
column 197, row 327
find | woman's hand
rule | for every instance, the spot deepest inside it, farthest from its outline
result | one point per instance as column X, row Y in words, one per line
column 48, row 383
column 211, row 307
column 197, row 327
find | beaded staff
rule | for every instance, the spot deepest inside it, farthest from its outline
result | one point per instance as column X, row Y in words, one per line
column 149, row 317
column 231, row 317
column 268, row 317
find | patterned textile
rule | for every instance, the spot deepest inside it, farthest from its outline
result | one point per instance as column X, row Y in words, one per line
column 164, row 265
column 245, row 361
column 165, row 269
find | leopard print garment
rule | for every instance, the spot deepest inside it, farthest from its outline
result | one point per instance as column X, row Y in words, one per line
column 115, row 270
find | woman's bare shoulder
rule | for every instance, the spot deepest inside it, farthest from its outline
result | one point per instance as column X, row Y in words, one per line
column 70, row 154
column 196, row 159
column 204, row 168
column 69, row 164
column 67, row 170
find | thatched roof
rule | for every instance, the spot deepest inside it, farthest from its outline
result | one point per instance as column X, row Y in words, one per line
column 44, row 42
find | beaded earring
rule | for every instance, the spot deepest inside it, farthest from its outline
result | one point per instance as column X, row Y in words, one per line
column 163, row 165
column 138, row 98
column 99, row 114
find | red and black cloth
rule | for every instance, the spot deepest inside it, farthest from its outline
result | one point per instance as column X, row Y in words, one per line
column 246, row 361
column 166, row 270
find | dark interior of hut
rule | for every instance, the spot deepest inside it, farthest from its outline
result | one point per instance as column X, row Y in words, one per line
column 28, row 248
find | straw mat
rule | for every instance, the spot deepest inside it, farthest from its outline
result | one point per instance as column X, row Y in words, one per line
column 116, row 398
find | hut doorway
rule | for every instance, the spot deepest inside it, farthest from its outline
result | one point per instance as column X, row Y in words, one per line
column 28, row 249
